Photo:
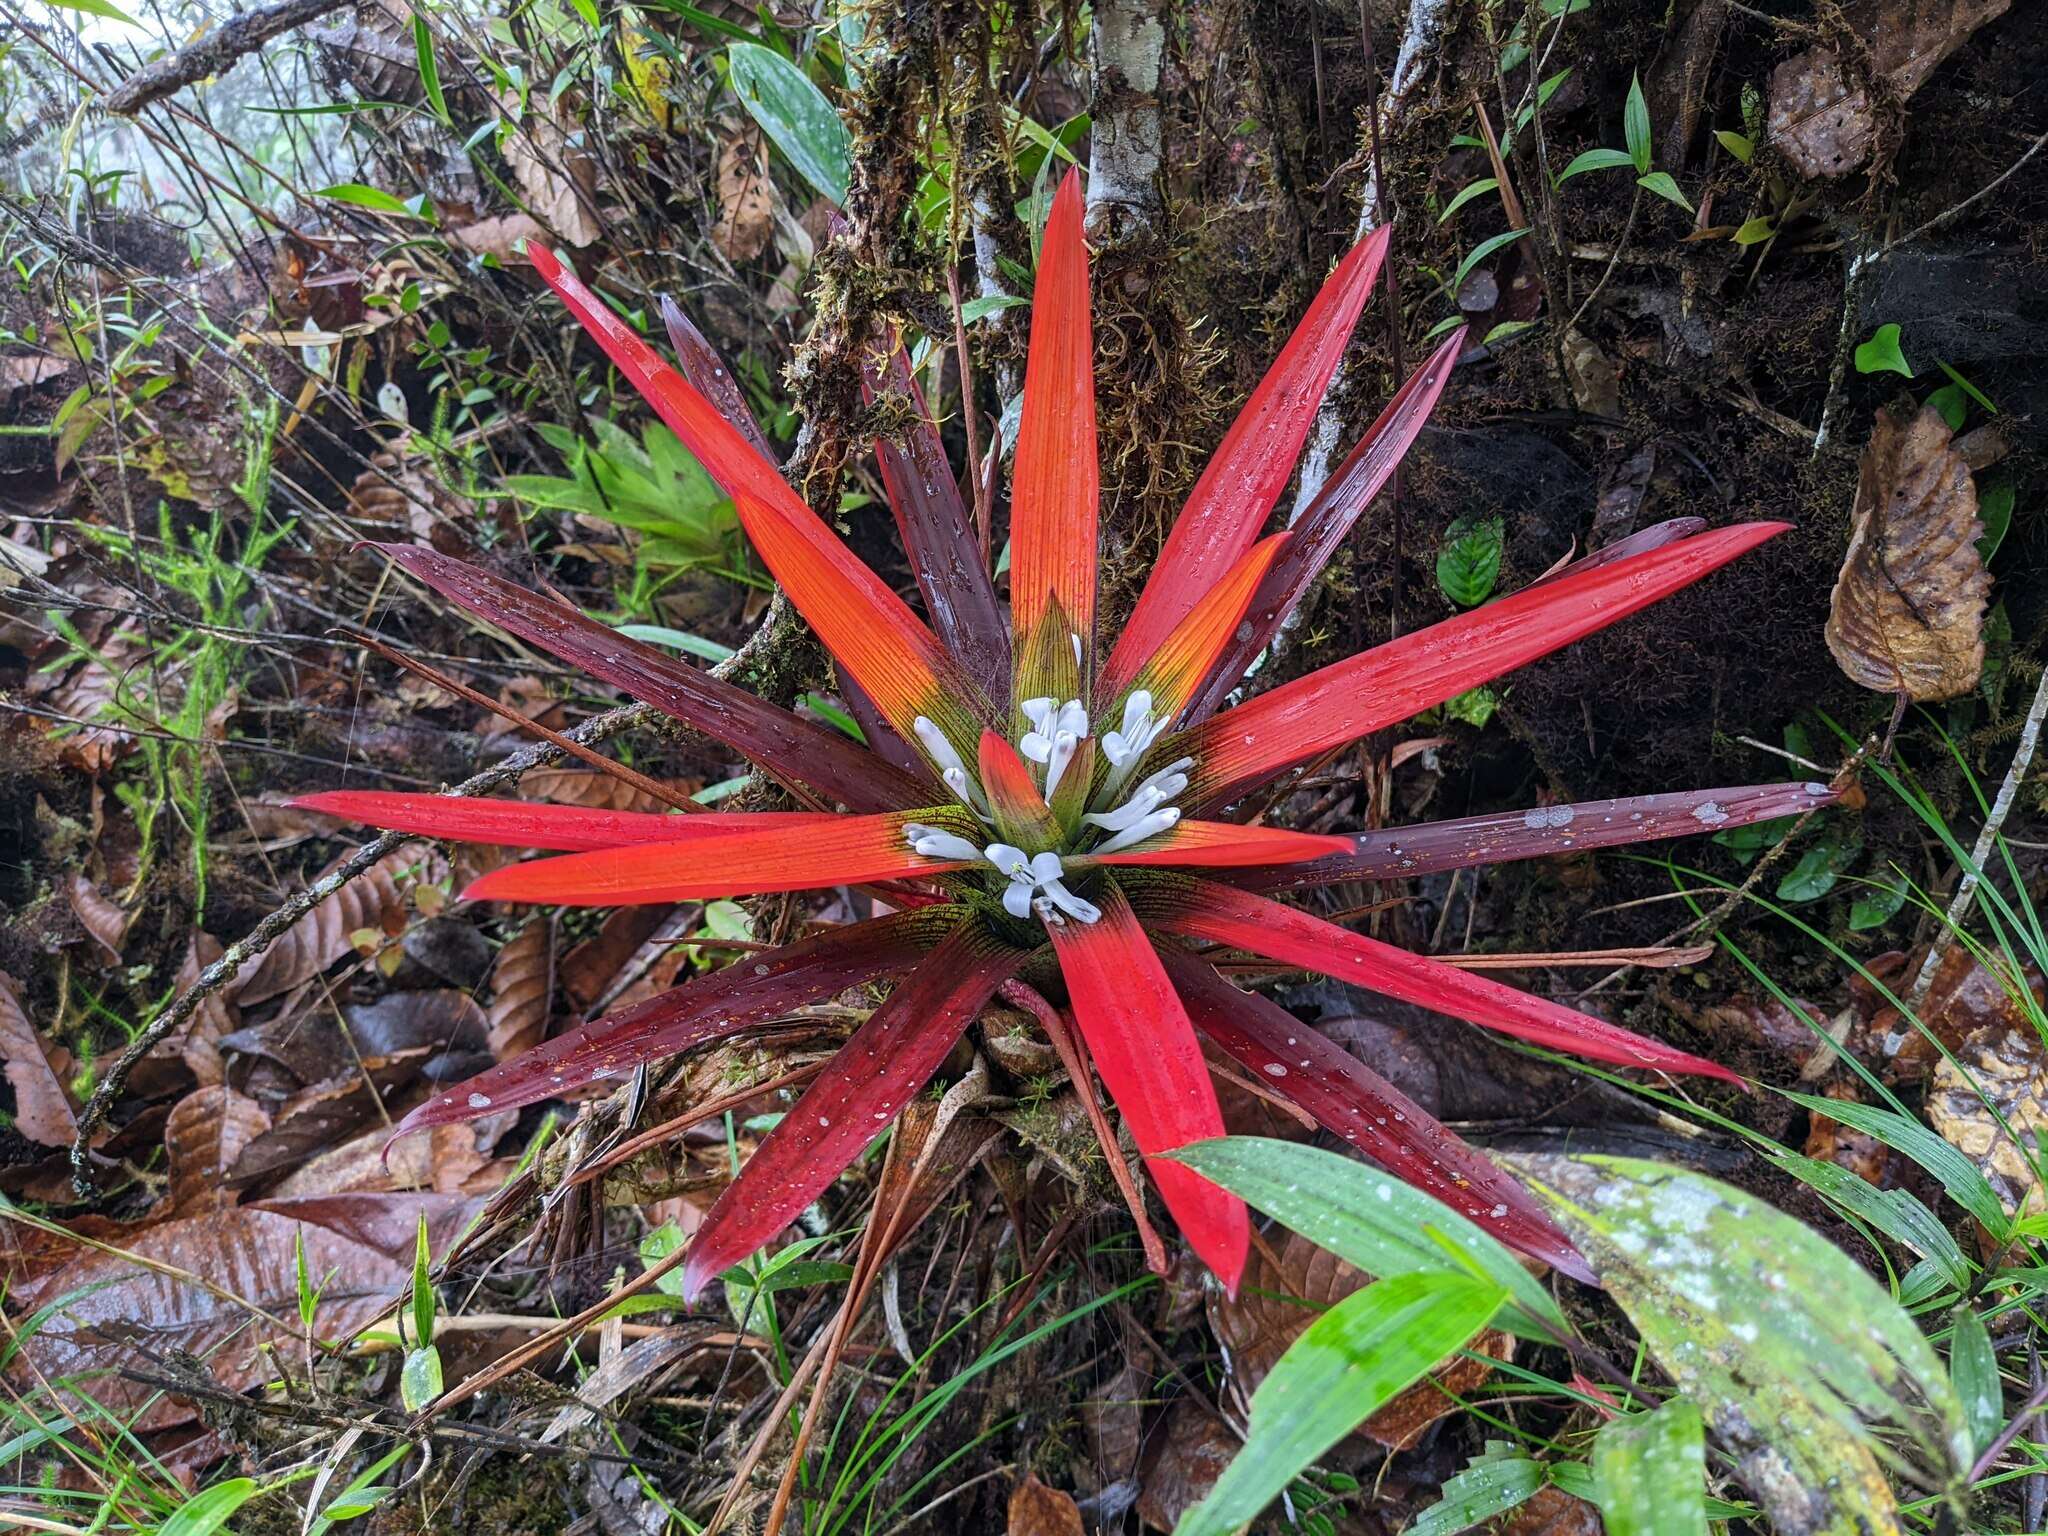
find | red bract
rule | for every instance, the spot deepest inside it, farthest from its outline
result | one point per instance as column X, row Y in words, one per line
column 1042, row 801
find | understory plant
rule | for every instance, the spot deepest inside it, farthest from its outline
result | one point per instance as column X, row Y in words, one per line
column 1055, row 803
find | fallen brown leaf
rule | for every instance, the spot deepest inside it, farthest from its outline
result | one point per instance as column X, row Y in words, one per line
column 205, row 1134
column 522, row 990
column 1907, row 614
column 42, row 1109
column 99, row 914
column 1821, row 115
column 1037, row 1510
column 371, row 900
column 1186, row 1456
column 220, row 1286
column 746, row 197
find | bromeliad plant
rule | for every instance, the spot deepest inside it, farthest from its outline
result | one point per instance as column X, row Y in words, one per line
column 1054, row 799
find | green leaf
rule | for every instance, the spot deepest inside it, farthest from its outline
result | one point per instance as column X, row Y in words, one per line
column 794, row 114
column 1755, row 231
column 1740, row 145
column 1371, row 1220
column 1649, row 1473
column 1465, row 195
column 1497, row 1480
column 1596, row 160
column 1817, row 870
column 422, row 1288
column 1878, row 905
column 1881, row 353
column 1660, row 182
column 1894, row 1212
column 211, row 1508
column 1973, row 1366
column 1349, row 1363
column 1811, row 1376
column 1951, row 405
column 658, row 1245
column 419, row 1381
column 430, row 71
column 104, row 8
column 1747, row 842
column 1468, row 560
column 1479, row 253
column 1963, row 1180
column 1994, row 508
column 989, row 304
column 1967, row 388
column 369, row 197
column 1475, row 706
column 1635, row 125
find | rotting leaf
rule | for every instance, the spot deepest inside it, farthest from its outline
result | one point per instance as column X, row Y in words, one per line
column 1794, row 1354
column 42, row 1109
column 1822, row 118
column 1998, row 1074
column 1907, row 614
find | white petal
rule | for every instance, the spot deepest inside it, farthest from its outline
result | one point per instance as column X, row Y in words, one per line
column 936, row 843
column 1150, row 826
column 1017, row 900
column 1140, row 805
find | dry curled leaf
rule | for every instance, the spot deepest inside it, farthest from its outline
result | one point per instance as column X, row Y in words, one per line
column 746, row 197
column 522, row 990
column 1822, row 118
column 42, row 1110
column 197, row 1041
column 555, row 174
column 598, row 791
column 99, row 914
column 1908, row 609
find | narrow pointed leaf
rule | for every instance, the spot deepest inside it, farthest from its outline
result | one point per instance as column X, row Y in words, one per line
column 758, row 989
column 709, row 376
column 1349, row 1363
column 1380, row 1123
column 888, row 1060
column 938, row 537
column 882, row 739
column 1255, row 460
column 843, row 850
column 1216, row 912
column 867, row 627
column 531, row 824
column 1643, row 540
column 1142, row 1044
column 1022, row 817
column 1222, row 845
column 1353, row 698
column 1055, row 486
column 1502, row 836
column 1173, row 673
column 793, row 749
column 1324, row 523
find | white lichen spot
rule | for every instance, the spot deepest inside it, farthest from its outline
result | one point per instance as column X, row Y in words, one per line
column 1544, row 817
column 479, row 1101
column 1709, row 813
column 1274, row 1069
